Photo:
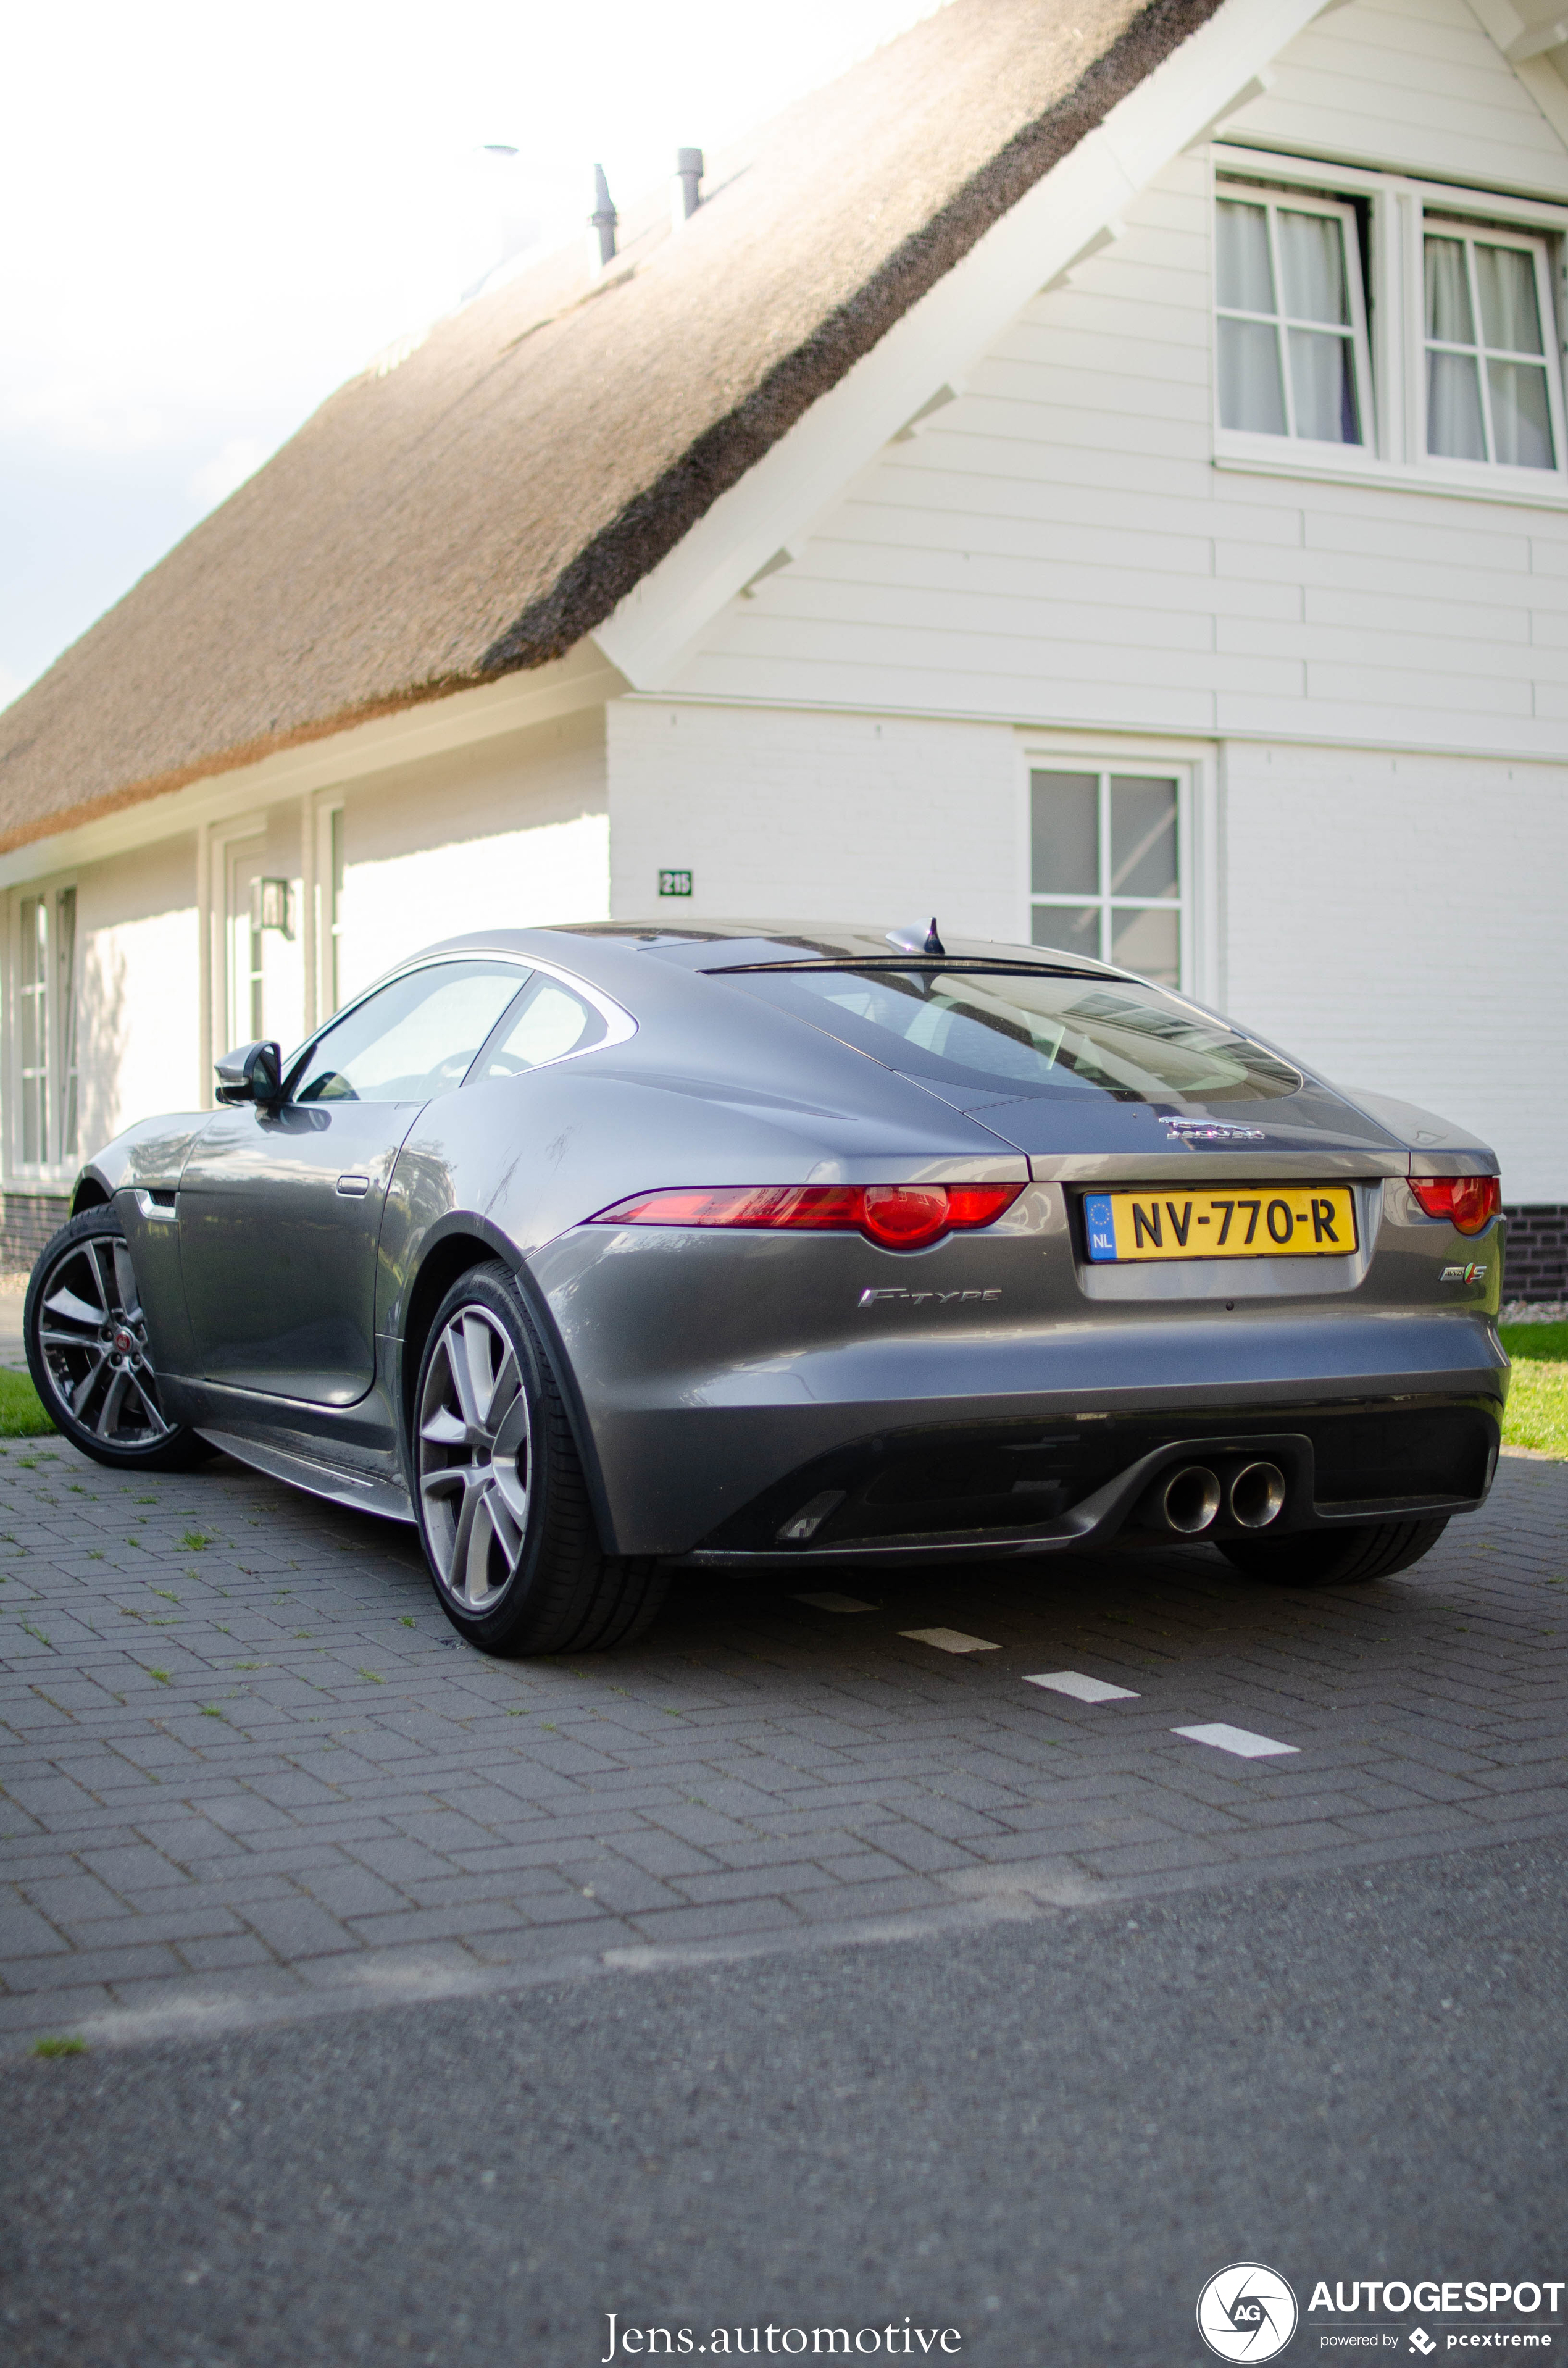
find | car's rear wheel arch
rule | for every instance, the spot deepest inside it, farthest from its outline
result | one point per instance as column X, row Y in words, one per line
column 454, row 1254
column 505, row 1517
column 439, row 1267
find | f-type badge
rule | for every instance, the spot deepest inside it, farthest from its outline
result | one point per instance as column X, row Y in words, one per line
column 1471, row 1273
column 1211, row 1130
column 928, row 1298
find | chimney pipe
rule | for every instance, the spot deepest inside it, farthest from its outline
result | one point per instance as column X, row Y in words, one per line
column 601, row 225
column 684, row 197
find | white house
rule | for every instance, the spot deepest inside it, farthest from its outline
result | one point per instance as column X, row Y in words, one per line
column 1096, row 472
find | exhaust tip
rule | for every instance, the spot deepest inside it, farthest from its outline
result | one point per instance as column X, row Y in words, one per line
column 1189, row 1500
column 1257, row 1495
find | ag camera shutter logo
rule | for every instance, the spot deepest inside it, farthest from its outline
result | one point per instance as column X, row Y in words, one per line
column 1246, row 2312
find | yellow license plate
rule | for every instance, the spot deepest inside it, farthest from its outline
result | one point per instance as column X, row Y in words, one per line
column 1242, row 1220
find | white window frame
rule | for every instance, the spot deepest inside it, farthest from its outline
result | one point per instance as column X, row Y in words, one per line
column 1400, row 211
column 1138, row 764
column 1474, row 233
column 1338, row 209
column 59, row 1026
column 242, row 947
column 321, row 834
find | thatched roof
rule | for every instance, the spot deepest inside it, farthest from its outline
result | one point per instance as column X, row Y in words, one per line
column 483, row 504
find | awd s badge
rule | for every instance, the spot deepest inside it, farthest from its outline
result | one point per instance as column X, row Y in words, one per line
column 1471, row 1273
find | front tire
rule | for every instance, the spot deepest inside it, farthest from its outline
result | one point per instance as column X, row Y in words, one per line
column 502, row 1507
column 86, row 1341
column 1335, row 1557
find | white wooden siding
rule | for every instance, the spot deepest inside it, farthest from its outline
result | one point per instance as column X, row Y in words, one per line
column 1413, row 85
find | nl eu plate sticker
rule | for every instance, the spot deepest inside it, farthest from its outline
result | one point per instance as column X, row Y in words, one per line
column 1099, row 1221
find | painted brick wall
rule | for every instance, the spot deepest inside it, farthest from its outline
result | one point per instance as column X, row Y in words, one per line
column 1398, row 921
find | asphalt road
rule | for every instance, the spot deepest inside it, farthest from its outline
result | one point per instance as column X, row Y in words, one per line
column 1045, row 2135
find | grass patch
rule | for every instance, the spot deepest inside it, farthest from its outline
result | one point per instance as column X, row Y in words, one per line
column 1537, row 1394
column 60, row 2047
column 194, row 1540
column 22, row 1408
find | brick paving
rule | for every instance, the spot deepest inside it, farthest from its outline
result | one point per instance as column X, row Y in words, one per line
column 248, row 1770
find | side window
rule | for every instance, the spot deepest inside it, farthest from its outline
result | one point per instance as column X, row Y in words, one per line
column 413, row 1040
column 549, row 1022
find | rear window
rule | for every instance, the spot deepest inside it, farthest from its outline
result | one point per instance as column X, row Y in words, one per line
column 1030, row 1033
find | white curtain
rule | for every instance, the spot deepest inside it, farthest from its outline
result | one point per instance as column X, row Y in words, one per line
column 1454, row 428
column 1322, row 382
column 1509, row 320
column 1245, row 276
column 1453, row 408
column 1312, row 263
column 1521, row 416
column 1250, row 393
column 1448, row 293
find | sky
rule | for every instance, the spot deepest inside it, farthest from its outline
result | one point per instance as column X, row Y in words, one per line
column 215, row 216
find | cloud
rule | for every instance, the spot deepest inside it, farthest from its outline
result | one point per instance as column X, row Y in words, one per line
column 216, row 479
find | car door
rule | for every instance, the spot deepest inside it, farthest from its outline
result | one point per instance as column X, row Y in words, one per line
column 279, row 1209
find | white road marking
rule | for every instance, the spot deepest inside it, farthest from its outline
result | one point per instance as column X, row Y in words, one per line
column 1236, row 1739
column 831, row 1602
column 1082, row 1689
column 949, row 1640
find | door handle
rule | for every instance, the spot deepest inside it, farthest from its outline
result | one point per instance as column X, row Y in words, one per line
column 353, row 1188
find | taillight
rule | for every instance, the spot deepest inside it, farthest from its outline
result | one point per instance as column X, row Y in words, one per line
column 897, row 1216
column 1467, row 1201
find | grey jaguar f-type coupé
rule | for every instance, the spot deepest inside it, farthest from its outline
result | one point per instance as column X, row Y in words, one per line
column 601, row 1251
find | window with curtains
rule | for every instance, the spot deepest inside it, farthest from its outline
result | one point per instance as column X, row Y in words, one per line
column 1291, row 318
column 1320, row 269
column 32, row 1033
column 1106, row 868
column 44, row 1128
column 1489, row 374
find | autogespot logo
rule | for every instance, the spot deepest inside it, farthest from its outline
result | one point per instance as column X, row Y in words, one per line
column 1246, row 2312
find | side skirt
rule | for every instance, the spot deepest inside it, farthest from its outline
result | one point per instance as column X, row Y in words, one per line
column 365, row 1493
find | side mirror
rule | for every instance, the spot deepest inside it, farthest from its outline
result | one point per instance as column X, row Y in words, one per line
column 254, row 1073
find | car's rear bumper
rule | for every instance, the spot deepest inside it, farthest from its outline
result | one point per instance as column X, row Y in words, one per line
column 945, row 1495
column 711, row 1428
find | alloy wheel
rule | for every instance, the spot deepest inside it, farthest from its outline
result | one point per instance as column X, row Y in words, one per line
column 475, row 1465
column 93, row 1337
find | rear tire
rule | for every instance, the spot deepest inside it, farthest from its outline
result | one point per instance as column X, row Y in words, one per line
column 87, row 1343
column 499, row 1487
column 1335, row 1557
